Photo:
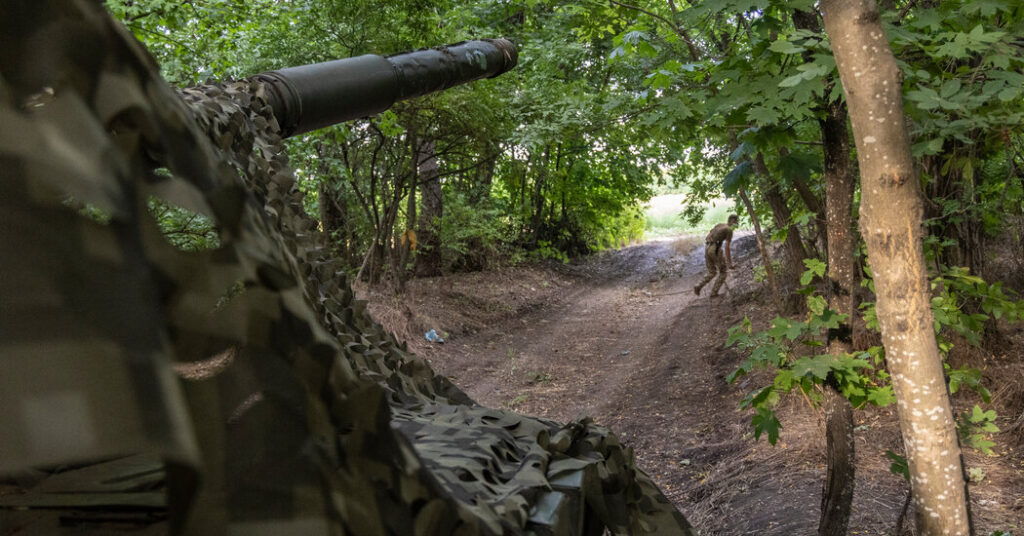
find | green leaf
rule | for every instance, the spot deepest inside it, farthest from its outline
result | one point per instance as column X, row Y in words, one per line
column 767, row 354
column 956, row 48
column 800, row 164
column 816, row 266
column 785, row 47
column 925, row 97
column 986, row 396
column 757, row 398
column 646, row 49
column 739, row 332
column 899, row 465
column 737, row 178
column 779, row 328
column 765, row 421
column 984, row 445
column 795, row 330
column 792, row 80
column 818, row 366
column 987, row 8
column 881, row 396
column 802, row 5
column 743, row 369
column 1000, row 61
column 978, row 415
column 949, row 88
column 816, row 304
column 763, row 115
column 785, row 380
column 742, row 150
column 1009, row 94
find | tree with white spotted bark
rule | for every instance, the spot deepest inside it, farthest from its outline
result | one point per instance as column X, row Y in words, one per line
column 891, row 223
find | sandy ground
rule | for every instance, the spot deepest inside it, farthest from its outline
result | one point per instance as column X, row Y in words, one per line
column 622, row 338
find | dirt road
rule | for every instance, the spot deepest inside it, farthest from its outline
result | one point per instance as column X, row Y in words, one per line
column 622, row 339
column 635, row 349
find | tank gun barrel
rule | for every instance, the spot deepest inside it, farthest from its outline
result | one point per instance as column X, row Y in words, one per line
column 314, row 96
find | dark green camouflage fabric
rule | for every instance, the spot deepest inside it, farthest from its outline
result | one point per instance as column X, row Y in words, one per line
column 292, row 412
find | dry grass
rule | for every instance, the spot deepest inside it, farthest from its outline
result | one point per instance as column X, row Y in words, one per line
column 685, row 244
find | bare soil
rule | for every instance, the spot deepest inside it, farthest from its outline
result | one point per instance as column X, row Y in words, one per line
column 622, row 338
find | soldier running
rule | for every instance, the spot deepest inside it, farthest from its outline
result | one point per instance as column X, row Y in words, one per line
column 713, row 254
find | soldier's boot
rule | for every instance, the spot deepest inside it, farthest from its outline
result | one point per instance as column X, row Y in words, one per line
column 710, row 276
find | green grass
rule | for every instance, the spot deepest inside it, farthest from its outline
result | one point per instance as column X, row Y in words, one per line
column 663, row 216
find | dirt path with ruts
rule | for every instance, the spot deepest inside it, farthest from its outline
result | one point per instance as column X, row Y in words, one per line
column 622, row 339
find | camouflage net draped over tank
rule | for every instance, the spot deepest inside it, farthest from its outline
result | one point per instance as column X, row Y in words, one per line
column 297, row 413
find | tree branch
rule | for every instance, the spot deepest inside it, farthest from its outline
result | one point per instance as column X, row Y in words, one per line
column 667, row 22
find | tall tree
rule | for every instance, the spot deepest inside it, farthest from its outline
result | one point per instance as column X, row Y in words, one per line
column 840, row 183
column 428, row 260
column 891, row 223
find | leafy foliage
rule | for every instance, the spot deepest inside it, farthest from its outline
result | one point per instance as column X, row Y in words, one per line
column 472, row 237
column 974, row 427
column 787, row 347
column 184, row 229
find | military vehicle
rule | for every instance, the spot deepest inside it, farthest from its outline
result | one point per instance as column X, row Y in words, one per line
column 243, row 389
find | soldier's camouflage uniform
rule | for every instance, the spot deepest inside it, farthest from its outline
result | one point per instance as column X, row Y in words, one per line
column 714, row 256
column 293, row 411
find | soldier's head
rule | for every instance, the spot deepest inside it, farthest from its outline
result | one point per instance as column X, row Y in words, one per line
column 733, row 220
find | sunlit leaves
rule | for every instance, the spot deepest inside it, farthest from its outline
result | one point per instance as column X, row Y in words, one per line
column 815, row 268
column 882, row 396
column 975, row 426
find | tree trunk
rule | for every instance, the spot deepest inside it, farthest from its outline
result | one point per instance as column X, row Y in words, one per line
column 537, row 218
column 835, row 229
column 367, row 264
column 332, row 218
column 407, row 241
column 765, row 257
column 837, row 497
column 811, row 201
column 890, row 221
column 795, row 253
column 840, row 184
column 333, row 212
column 837, row 494
column 428, row 261
column 480, row 191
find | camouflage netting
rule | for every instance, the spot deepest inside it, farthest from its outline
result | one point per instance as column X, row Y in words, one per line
column 297, row 413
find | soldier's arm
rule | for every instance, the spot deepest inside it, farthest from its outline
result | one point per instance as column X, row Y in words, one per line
column 728, row 255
